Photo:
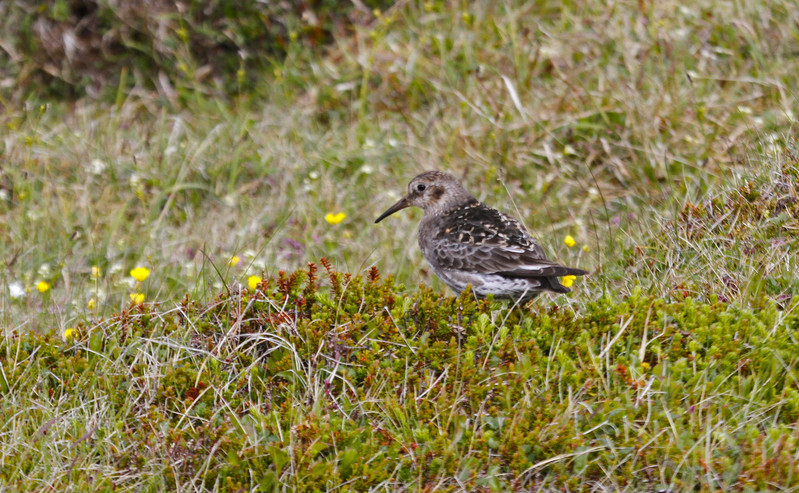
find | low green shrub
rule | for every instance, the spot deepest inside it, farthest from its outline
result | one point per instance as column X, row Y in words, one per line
column 307, row 383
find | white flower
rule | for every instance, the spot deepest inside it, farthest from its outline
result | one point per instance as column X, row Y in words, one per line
column 97, row 167
column 99, row 295
column 16, row 290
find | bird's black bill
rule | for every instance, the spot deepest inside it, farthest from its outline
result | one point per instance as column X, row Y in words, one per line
column 403, row 203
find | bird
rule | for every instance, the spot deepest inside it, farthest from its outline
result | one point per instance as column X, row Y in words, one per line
column 468, row 243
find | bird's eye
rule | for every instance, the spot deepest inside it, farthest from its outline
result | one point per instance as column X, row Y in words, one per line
column 420, row 187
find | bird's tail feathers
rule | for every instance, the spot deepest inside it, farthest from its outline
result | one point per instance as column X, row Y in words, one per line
column 543, row 271
column 553, row 284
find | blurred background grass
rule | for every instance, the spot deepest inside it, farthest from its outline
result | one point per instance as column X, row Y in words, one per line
column 176, row 136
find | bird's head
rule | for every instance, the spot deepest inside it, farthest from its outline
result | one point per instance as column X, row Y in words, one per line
column 432, row 191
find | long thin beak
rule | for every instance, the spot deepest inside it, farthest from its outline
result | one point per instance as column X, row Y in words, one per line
column 401, row 204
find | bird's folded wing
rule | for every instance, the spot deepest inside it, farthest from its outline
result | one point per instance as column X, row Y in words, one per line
column 480, row 225
column 481, row 239
column 490, row 258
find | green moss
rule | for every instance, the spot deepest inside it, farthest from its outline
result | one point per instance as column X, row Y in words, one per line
column 376, row 386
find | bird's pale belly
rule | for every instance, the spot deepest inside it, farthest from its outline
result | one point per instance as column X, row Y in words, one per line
column 485, row 284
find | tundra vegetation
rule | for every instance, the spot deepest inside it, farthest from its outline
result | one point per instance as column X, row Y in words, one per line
column 194, row 296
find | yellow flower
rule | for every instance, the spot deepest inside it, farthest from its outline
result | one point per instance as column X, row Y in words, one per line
column 91, row 304
column 586, row 249
column 569, row 241
column 97, row 272
column 137, row 298
column 645, row 366
column 140, row 273
column 233, row 261
column 43, row 286
column 253, row 281
column 68, row 334
column 335, row 218
column 567, row 280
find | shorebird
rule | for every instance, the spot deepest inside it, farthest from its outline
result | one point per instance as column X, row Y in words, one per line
column 468, row 243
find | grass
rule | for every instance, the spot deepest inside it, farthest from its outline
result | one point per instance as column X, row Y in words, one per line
column 661, row 137
column 364, row 386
